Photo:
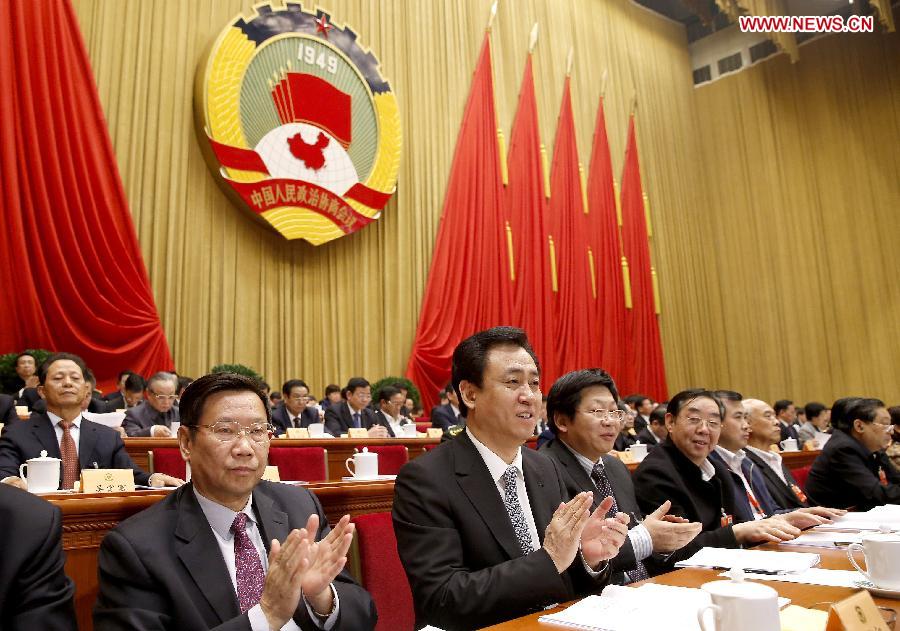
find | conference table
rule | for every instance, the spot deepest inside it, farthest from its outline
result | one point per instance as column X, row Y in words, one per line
column 809, row 596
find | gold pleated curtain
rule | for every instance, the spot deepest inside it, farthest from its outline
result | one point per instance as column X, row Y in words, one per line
column 229, row 290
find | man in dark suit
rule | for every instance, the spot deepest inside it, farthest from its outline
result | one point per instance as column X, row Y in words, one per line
column 64, row 434
column 679, row 471
column 354, row 411
column 444, row 416
column 656, row 431
column 482, row 530
column 130, row 394
column 583, row 413
column 227, row 550
column 24, row 386
column 390, row 402
column 8, row 414
column 293, row 411
column 35, row 592
column 852, row 470
column 786, row 412
column 154, row 417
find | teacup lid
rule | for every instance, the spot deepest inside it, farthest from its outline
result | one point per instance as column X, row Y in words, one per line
column 43, row 458
column 739, row 588
column 885, row 537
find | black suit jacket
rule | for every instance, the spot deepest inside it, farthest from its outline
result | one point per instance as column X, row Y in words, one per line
column 8, row 414
column 846, row 474
column 140, row 419
column 115, row 401
column 646, row 438
column 458, row 546
column 782, row 493
column 97, row 445
column 789, row 431
column 162, row 569
column 338, row 419
column 442, row 416
column 667, row 474
column 281, row 418
column 35, row 592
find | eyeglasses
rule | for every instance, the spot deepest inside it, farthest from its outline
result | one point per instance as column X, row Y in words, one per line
column 711, row 423
column 887, row 427
column 164, row 397
column 616, row 416
column 229, row 431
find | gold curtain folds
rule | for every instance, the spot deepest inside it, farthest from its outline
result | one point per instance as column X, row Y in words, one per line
column 785, row 41
column 773, row 193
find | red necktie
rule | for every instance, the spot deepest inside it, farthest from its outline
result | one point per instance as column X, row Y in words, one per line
column 69, row 456
column 248, row 569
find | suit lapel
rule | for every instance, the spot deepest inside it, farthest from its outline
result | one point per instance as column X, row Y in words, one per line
column 575, row 471
column 195, row 546
column 474, row 479
column 86, row 441
column 273, row 523
column 45, row 434
column 536, row 473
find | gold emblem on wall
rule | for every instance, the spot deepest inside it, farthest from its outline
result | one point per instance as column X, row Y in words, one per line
column 298, row 124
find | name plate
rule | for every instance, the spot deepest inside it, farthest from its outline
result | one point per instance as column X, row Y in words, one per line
column 271, row 474
column 434, row 432
column 357, row 432
column 856, row 613
column 297, row 432
column 626, row 457
column 107, row 480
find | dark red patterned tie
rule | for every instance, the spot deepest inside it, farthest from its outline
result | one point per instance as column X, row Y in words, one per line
column 248, row 569
column 69, row 454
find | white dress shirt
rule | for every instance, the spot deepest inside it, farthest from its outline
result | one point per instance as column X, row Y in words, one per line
column 733, row 461
column 772, row 459
column 74, row 431
column 220, row 519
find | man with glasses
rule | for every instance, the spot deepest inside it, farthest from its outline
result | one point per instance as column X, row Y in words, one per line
column 228, row 550
column 679, row 471
column 582, row 411
column 852, row 469
column 294, row 411
column 154, row 417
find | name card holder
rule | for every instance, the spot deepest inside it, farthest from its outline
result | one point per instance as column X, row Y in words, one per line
column 434, row 432
column 357, row 432
column 271, row 474
column 107, row 480
column 297, row 432
column 856, row 613
column 626, row 457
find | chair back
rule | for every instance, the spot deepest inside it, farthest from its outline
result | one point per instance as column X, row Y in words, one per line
column 167, row 460
column 390, row 457
column 307, row 464
column 381, row 572
column 800, row 475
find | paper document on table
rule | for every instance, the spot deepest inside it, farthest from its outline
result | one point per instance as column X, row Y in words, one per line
column 812, row 576
column 871, row 521
column 821, row 439
column 625, row 609
column 760, row 561
column 110, row 419
column 826, row 539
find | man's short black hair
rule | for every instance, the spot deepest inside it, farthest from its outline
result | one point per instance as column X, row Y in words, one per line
column 565, row 394
column 135, row 383
column 355, row 383
column 813, row 409
column 658, row 415
column 894, row 411
column 21, row 355
column 863, row 410
column 683, row 398
column 387, row 392
column 447, row 389
column 781, row 405
column 729, row 395
column 332, row 387
column 470, row 356
column 55, row 357
column 839, row 416
column 195, row 395
column 125, row 373
column 90, row 378
column 290, row 384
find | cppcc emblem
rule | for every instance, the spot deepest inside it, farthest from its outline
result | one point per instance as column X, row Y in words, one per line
column 298, row 123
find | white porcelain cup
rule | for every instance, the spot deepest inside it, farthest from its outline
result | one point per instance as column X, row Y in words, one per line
column 789, row 444
column 174, row 428
column 43, row 474
column 740, row 606
column 316, row 430
column 365, row 464
column 882, row 555
column 410, row 430
column 638, row 450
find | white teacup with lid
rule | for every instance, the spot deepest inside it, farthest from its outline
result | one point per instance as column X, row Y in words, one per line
column 43, row 473
column 365, row 464
column 739, row 605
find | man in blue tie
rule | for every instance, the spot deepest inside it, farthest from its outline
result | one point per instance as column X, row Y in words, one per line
column 354, row 412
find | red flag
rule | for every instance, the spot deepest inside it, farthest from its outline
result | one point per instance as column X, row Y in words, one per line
column 573, row 302
column 525, row 209
column 645, row 357
column 603, row 236
column 468, row 287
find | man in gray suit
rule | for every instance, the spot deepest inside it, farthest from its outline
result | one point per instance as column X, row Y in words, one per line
column 581, row 408
column 154, row 417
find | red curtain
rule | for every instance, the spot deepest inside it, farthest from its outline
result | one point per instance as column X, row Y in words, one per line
column 468, row 284
column 603, row 235
column 573, row 302
column 71, row 273
column 526, row 209
column 645, row 371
